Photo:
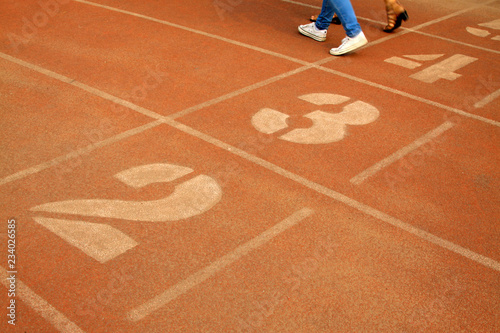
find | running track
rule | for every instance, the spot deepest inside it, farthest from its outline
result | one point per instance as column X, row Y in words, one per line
column 199, row 166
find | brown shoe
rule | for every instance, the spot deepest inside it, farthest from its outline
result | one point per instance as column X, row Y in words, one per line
column 395, row 15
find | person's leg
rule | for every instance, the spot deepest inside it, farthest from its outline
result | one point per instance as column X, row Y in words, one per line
column 325, row 17
column 355, row 37
column 346, row 14
column 395, row 14
column 317, row 30
column 343, row 8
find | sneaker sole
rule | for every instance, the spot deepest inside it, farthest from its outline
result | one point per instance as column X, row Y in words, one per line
column 350, row 49
column 308, row 34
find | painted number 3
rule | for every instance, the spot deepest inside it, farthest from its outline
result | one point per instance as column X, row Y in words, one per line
column 327, row 127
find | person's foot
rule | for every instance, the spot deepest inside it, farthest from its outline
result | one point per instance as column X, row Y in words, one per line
column 395, row 15
column 350, row 44
column 335, row 19
column 310, row 30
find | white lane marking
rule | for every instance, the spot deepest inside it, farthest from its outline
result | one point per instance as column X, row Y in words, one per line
column 41, row 306
column 413, row 97
column 478, row 32
column 269, row 121
column 424, row 57
column 403, row 62
column 332, row 127
column 204, row 274
column 488, row 99
column 193, row 197
column 303, row 181
column 244, row 90
column 327, row 127
column 477, row 47
column 360, row 178
column 199, row 32
column 80, row 152
column 444, row 69
column 495, row 24
column 483, row 260
column 99, row 241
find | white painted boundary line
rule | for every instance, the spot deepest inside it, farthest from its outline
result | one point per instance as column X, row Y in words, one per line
column 483, row 260
column 318, row 64
column 238, row 92
column 305, row 182
column 414, row 97
column 199, row 32
column 302, row 4
column 64, row 158
column 64, row 325
column 457, row 42
column 488, row 99
column 204, row 274
column 122, row 102
column 47, row 311
column 357, row 180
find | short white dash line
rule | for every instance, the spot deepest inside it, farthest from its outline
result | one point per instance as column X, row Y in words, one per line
column 488, row 99
column 360, row 178
column 204, row 274
column 47, row 311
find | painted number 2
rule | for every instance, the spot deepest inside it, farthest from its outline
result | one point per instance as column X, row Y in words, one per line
column 103, row 242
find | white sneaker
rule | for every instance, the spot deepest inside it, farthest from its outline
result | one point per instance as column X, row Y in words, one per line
column 310, row 30
column 350, row 44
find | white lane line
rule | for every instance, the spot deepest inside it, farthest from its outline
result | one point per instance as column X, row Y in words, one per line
column 80, row 85
column 47, row 311
column 159, row 118
column 80, row 152
column 457, row 42
column 302, row 4
column 204, row 274
column 199, row 32
column 357, row 180
column 316, row 65
column 483, row 260
column 488, row 99
column 319, row 188
column 85, row 150
column 239, row 92
column 405, row 30
column 234, row 42
column 413, row 97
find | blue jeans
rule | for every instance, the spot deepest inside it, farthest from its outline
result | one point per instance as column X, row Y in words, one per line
column 345, row 12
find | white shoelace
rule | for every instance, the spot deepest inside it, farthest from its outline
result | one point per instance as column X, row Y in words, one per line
column 345, row 40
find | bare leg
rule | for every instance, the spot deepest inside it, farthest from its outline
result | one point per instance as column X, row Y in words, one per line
column 395, row 14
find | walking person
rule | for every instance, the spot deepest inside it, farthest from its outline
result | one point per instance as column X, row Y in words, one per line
column 343, row 8
column 396, row 13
